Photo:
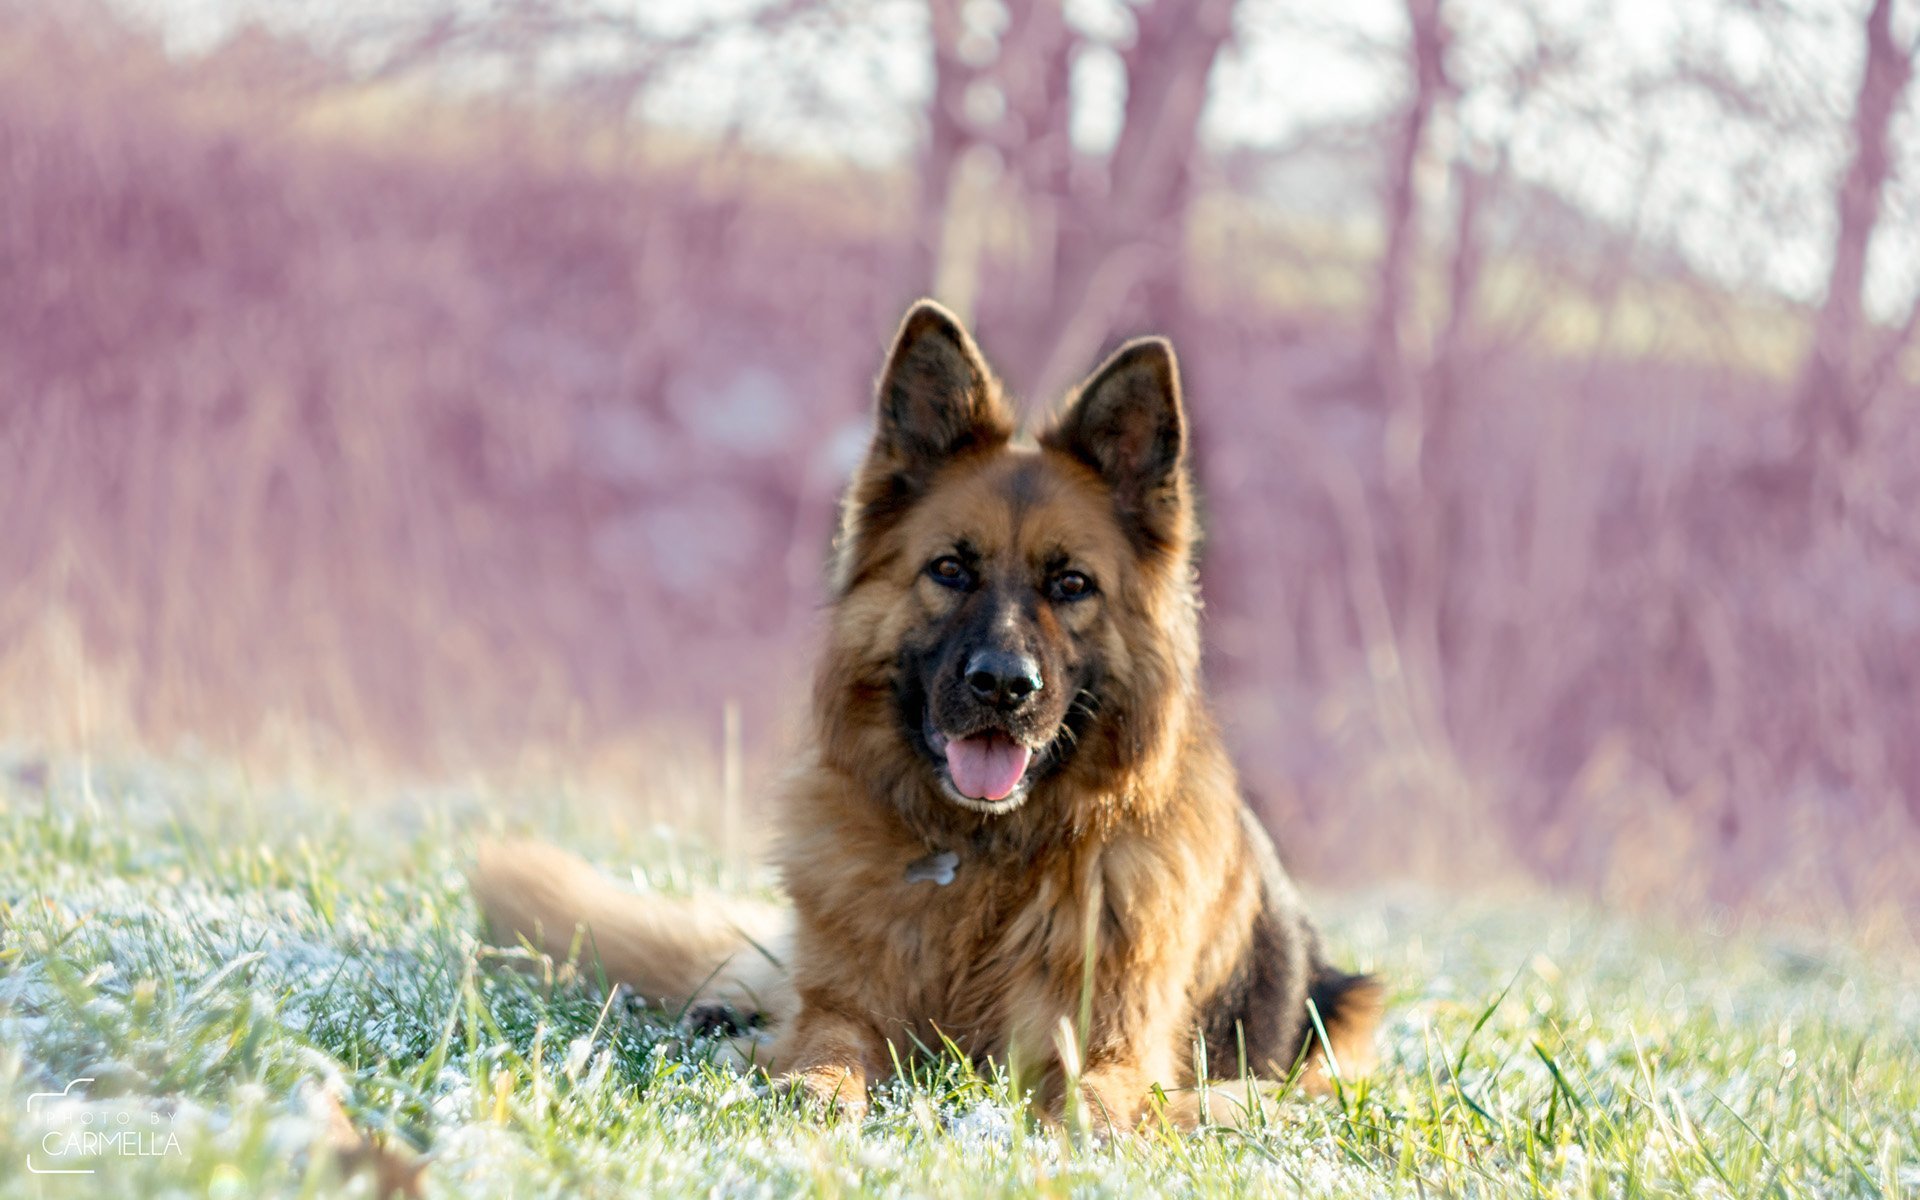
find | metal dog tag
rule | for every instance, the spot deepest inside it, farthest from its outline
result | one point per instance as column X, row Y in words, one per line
column 934, row 868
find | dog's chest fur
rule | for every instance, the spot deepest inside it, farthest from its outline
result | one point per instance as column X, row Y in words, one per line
column 992, row 959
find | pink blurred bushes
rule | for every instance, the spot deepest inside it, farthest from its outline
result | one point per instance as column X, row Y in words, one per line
column 456, row 447
column 451, row 444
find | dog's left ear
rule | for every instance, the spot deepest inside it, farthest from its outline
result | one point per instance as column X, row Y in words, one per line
column 1126, row 423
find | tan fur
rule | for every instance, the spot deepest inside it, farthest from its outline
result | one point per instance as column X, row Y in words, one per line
column 1130, row 874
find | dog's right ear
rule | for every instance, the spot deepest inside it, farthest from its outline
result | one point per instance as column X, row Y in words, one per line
column 937, row 397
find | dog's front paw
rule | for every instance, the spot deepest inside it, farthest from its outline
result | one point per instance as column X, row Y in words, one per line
column 827, row 1091
column 1105, row 1103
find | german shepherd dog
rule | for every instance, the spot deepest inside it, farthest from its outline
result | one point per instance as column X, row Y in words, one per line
column 1014, row 829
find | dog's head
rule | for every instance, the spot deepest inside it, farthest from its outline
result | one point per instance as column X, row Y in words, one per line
column 1011, row 612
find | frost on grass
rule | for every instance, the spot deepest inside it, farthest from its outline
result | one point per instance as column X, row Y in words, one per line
column 210, row 960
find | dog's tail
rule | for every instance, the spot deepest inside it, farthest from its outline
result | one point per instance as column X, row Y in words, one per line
column 672, row 951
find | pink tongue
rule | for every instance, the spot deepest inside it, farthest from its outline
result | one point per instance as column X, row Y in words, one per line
column 987, row 767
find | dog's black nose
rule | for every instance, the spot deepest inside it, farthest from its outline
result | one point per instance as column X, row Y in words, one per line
column 1002, row 678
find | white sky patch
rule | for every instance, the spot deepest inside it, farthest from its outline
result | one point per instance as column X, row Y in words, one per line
column 1099, row 90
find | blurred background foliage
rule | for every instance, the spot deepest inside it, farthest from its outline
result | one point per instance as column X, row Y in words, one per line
column 465, row 385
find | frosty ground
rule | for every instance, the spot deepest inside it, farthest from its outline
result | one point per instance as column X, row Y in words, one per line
column 216, row 955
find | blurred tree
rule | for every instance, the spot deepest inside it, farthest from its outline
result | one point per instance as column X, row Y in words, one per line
column 1401, row 369
column 1407, row 169
column 1104, row 234
column 1833, row 389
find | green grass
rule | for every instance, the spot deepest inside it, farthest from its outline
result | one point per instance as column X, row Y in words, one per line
column 210, row 951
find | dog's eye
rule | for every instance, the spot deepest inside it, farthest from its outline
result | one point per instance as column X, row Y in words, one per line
column 1071, row 585
column 950, row 572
